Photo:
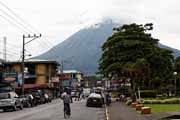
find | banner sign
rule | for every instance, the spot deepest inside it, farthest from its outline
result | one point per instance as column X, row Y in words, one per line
column 55, row 79
column 9, row 77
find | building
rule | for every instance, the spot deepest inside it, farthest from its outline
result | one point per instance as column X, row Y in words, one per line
column 38, row 73
column 1, row 65
column 5, row 84
column 71, row 78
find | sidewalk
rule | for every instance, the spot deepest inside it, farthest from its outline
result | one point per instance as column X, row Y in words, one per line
column 119, row 111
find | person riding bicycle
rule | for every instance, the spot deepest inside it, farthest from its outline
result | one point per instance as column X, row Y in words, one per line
column 66, row 100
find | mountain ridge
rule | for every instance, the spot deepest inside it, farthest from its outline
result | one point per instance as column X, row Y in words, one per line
column 82, row 50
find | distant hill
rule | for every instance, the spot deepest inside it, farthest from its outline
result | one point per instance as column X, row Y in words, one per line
column 82, row 50
column 176, row 51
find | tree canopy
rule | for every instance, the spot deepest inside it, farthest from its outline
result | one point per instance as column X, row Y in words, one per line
column 132, row 52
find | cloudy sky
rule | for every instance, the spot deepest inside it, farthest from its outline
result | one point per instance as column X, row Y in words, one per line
column 58, row 19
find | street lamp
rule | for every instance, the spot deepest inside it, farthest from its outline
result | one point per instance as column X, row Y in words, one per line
column 175, row 74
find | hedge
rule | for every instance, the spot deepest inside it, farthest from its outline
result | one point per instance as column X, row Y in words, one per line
column 148, row 93
column 165, row 101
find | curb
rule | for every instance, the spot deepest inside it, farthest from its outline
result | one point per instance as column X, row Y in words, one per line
column 106, row 113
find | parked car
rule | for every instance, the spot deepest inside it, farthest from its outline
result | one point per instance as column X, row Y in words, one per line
column 28, row 100
column 25, row 100
column 10, row 100
column 94, row 100
column 32, row 100
column 47, row 97
column 38, row 96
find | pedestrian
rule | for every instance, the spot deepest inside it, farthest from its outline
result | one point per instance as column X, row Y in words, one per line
column 77, row 95
column 69, row 93
column 108, row 99
column 66, row 100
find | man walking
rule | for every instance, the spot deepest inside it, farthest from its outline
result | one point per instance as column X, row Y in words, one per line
column 66, row 100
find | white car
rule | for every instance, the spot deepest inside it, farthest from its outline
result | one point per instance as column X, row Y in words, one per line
column 10, row 100
column 94, row 100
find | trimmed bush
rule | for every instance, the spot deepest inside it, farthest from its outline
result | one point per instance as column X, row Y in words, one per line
column 148, row 94
column 165, row 101
column 128, row 102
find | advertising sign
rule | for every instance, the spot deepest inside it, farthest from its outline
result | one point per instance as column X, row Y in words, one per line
column 9, row 77
column 55, row 79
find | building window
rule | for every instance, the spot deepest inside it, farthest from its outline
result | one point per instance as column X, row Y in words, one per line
column 30, row 81
column 31, row 69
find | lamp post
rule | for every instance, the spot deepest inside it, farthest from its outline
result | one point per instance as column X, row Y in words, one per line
column 175, row 74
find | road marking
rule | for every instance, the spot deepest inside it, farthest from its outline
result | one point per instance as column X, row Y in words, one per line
column 106, row 113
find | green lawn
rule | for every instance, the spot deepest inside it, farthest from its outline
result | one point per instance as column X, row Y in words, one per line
column 164, row 107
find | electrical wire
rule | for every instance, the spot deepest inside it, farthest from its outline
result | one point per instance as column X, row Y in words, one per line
column 42, row 43
column 22, row 20
column 17, row 16
column 15, row 20
column 13, row 24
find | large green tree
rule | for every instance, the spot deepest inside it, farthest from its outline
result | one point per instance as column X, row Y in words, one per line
column 133, row 53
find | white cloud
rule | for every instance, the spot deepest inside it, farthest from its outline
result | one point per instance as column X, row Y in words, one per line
column 58, row 19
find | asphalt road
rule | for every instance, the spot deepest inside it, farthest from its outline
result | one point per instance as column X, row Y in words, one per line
column 54, row 111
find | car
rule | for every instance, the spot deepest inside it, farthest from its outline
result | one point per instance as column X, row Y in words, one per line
column 24, row 100
column 32, row 100
column 101, row 93
column 94, row 100
column 38, row 96
column 48, row 98
column 86, row 92
column 10, row 100
column 74, row 93
column 27, row 100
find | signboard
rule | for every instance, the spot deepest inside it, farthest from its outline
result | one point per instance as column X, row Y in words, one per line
column 55, row 79
column 9, row 77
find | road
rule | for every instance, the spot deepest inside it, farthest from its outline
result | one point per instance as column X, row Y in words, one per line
column 54, row 111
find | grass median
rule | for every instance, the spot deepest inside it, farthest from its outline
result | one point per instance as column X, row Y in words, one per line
column 164, row 107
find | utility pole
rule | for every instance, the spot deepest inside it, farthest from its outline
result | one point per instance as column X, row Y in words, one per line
column 4, row 55
column 23, row 54
column 62, row 74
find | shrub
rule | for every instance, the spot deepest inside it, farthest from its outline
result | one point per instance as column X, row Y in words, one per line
column 148, row 94
column 124, row 90
column 165, row 101
column 128, row 102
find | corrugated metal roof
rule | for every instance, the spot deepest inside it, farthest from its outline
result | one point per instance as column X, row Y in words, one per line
column 35, row 61
column 71, row 71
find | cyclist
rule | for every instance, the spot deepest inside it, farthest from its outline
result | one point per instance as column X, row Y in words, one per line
column 66, row 100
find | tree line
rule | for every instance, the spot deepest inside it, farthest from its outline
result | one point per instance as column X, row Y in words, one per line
column 132, row 53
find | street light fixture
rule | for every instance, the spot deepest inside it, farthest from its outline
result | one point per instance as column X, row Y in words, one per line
column 175, row 74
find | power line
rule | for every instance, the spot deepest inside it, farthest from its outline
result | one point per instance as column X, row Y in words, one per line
column 15, row 20
column 13, row 24
column 10, row 54
column 22, row 20
column 17, row 16
column 11, row 48
column 42, row 43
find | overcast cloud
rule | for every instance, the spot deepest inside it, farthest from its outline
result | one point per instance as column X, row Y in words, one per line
column 58, row 19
